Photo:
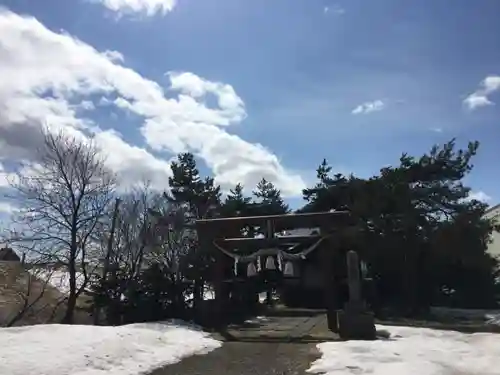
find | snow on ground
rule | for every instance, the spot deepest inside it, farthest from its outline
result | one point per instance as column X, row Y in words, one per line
column 262, row 297
column 493, row 319
column 488, row 316
column 412, row 351
column 257, row 320
column 209, row 294
column 90, row 350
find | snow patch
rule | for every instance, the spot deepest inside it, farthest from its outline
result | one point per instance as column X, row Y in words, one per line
column 411, row 351
column 488, row 316
column 493, row 319
column 89, row 350
column 262, row 297
column 257, row 320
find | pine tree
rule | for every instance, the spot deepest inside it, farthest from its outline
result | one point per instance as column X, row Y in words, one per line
column 404, row 211
column 201, row 199
column 329, row 191
column 187, row 188
column 269, row 200
column 236, row 203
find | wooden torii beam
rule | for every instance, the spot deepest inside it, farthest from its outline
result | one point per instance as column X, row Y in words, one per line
column 283, row 222
column 223, row 231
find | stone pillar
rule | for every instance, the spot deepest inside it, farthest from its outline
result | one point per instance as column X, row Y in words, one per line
column 327, row 250
column 355, row 322
column 269, row 290
column 219, row 287
column 217, row 308
column 354, row 281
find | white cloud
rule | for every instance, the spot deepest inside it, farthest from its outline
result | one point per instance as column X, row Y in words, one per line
column 35, row 61
column 491, row 84
column 114, row 56
column 479, row 196
column 480, row 98
column 143, row 7
column 369, row 107
column 335, row 9
column 476, row 100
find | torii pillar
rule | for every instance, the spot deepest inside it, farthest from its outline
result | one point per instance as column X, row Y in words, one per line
column 327, row 250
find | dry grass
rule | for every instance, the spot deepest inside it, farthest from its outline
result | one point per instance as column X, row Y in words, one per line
column 17, row 285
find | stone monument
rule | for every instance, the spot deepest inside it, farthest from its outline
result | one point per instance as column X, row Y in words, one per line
column 354, row 320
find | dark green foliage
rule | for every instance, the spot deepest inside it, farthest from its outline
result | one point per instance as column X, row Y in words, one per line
column 152, row 295
column 201, row 196
column 425, row 242
column 269, row 200
column 236, row 203
column 160, row 290
column 202, row 199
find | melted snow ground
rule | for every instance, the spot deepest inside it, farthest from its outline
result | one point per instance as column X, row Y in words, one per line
column 88, row 350
column 412, row 351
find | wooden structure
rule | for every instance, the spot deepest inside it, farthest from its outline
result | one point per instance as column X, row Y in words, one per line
column 240, row 258
column 7, row 254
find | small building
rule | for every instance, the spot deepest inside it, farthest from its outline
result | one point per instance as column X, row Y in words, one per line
column 494, row 247
column 9, row 255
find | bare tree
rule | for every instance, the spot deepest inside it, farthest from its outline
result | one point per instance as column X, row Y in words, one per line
column 130, row 242
column 63, row 200
column 172, row 243
column 124, row 241
column 170, row 237
column 148, row 229
column 152, row 230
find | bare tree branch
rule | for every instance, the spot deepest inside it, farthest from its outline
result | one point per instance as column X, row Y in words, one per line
column 31, row 288
column 63, row 200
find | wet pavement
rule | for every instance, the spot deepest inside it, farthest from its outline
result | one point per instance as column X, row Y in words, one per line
column 279, row 343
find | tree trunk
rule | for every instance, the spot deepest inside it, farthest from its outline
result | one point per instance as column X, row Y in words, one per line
column 109, row 250
column 269, row 297
column 70, row 307
column 20, row 314
column 197, row 295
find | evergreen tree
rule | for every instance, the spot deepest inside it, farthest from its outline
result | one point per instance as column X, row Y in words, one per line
column 236, row 203
column 269, row 200
column 201, row 198
column 328, row 192
column 417, row 226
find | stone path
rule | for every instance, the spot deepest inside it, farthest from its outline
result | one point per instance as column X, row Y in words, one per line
column 282, row 344
column 297, row 325
column 245, row 358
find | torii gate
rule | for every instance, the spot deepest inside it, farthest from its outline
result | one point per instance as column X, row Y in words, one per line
column 223, row 238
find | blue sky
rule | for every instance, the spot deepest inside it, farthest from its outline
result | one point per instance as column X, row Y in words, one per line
column 302, row 67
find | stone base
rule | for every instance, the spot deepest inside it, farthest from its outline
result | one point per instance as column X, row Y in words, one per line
column 332, row 320
column 355, row 325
